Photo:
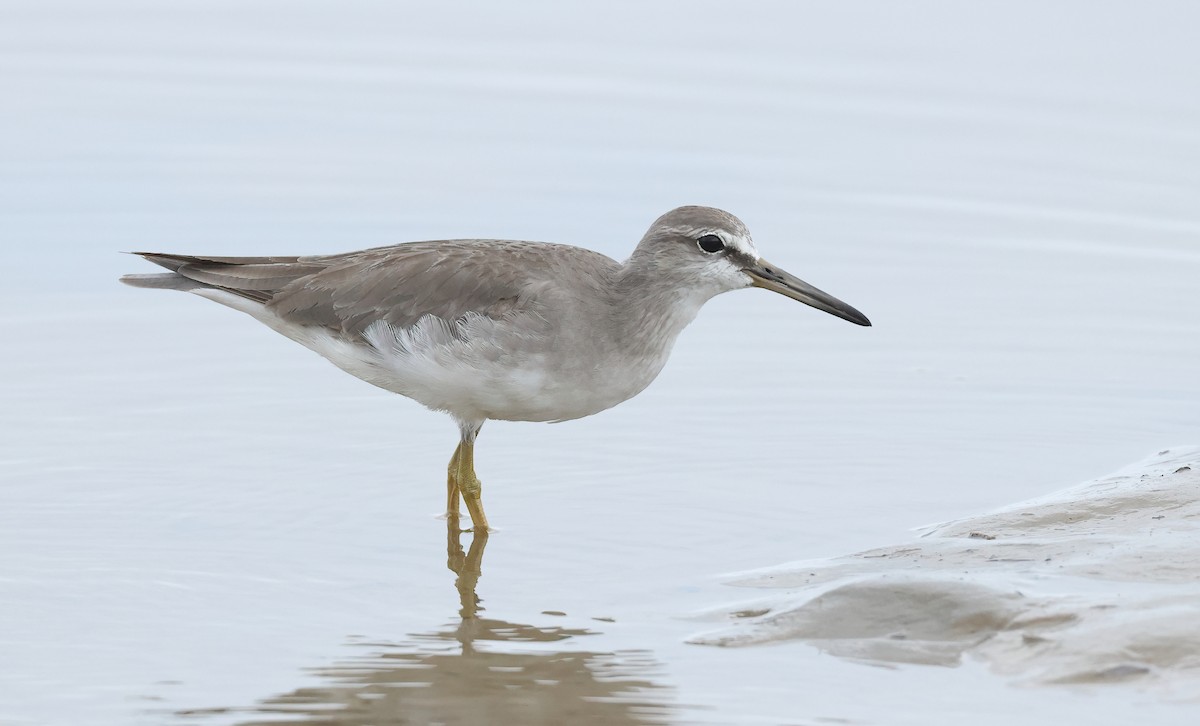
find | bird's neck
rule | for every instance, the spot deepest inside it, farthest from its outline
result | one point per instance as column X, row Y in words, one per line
column 654, row 305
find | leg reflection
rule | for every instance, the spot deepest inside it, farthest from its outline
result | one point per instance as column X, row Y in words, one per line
column 521, row 673
column 467, row 565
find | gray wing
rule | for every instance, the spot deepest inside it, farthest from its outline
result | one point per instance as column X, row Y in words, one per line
column 398, row 284
column 255, row 278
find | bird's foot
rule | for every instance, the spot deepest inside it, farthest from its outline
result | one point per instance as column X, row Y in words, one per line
column 472, row 494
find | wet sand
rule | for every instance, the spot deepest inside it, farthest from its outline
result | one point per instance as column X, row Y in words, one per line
column 1096, row 584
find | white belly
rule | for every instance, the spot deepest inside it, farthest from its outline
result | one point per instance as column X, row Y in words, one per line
column 478, row 368
column 476, row 377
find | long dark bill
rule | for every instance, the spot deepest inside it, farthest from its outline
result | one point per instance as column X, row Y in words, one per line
column 770, row 277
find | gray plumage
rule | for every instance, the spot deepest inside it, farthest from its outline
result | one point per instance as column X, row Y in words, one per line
column 398, row 284
column 496, row 329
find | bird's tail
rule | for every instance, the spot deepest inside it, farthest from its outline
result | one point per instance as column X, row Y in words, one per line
column 254, row 278
column 163, row 281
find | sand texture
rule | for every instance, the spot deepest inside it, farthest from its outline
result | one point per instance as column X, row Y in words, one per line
column 1099, row 583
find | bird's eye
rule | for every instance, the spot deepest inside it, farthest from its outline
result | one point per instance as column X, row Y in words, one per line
column 710, row 243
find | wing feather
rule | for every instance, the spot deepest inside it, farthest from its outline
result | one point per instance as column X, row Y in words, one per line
column 398, row 285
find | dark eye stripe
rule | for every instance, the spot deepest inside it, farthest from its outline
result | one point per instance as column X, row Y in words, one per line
column 710, row 243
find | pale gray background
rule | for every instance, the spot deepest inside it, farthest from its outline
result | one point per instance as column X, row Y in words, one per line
column 194, row 511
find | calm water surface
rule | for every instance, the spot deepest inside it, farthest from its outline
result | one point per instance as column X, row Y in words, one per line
column 202, row 523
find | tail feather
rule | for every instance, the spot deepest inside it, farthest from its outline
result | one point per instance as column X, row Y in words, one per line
column 163, row 281
column 254, row 278
column 265, row 278
column 173, row 262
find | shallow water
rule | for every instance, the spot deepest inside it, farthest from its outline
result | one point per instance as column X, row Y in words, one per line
column 202, row 523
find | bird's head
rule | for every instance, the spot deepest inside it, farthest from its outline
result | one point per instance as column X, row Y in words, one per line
column 711, row 248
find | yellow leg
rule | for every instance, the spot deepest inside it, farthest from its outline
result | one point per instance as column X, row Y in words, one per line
column 470, row 486
column 452, row 485
column 468, row 566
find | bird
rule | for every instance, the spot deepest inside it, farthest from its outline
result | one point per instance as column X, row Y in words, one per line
column 490, row 329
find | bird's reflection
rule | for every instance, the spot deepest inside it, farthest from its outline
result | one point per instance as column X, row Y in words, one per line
column 477, row 670
column 467, row 565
